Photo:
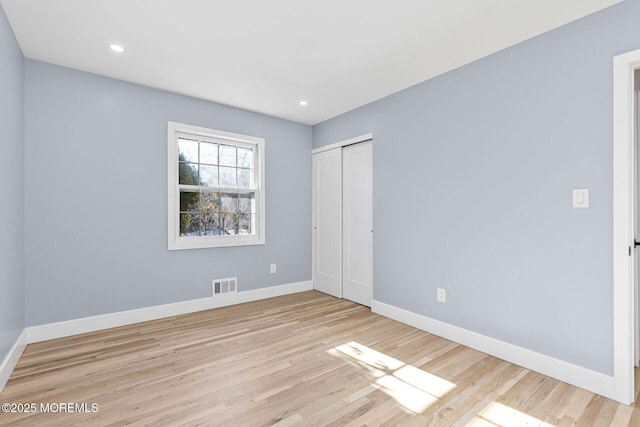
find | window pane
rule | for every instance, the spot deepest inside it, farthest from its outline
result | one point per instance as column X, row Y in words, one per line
column 227, row 155
column 212, row 226
column 229, row 202
column 189, row 201
column 209, row 175
column 209, row 202
column 188, row 174
column 245, row 158
column 189, row 224
column 244, row 178
column 244, row 224
column 187, row 150
column 229, row 223
column 227, row 177
column 247, row 203
column 209, row 153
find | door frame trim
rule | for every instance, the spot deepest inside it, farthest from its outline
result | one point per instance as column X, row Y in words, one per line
column 624, row 67
column 350, row 141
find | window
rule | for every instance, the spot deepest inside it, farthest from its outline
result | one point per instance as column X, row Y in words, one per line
column 215, row 188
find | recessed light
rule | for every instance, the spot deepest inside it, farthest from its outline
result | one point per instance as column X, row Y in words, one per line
column 116, row 48
column 304, row 103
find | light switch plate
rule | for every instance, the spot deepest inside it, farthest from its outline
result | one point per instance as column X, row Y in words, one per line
column 580, row 197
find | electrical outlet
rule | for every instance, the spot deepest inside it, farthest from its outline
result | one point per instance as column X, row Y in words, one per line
column 442, row 295
column 273, row 268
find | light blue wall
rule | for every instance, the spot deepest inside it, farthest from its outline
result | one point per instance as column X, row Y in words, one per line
column 96, row 198
column 12, row 304
column 473, row 173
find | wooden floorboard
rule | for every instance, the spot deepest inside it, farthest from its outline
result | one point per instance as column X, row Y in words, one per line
column 303, row 359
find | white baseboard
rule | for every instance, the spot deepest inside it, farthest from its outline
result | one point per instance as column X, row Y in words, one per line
column 587, row 379
column 10, row 361
column 95, row 323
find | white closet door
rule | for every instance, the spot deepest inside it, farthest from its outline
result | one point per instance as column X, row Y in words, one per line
column 357, row 243
column 327, row 222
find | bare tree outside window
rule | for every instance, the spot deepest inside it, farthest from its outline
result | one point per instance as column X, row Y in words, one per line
column 212, row 213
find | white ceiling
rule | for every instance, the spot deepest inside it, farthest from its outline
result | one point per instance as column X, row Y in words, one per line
column 267, row 55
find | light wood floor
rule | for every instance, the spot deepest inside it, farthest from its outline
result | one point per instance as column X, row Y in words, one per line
column 302, row 359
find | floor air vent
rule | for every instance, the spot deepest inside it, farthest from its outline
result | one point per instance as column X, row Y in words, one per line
column 224, row 286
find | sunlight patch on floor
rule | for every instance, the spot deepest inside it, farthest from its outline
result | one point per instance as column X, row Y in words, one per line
column 498, row 415
column 411, row 387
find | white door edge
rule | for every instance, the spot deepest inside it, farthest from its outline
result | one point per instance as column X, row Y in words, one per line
column 623, row 224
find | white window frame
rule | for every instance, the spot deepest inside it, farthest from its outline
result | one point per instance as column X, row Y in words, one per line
column 177, row 242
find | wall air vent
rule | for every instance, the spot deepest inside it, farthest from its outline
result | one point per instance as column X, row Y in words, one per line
column 224, row 286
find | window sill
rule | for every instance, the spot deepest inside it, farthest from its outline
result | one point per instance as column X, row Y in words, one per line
column 215, row 242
